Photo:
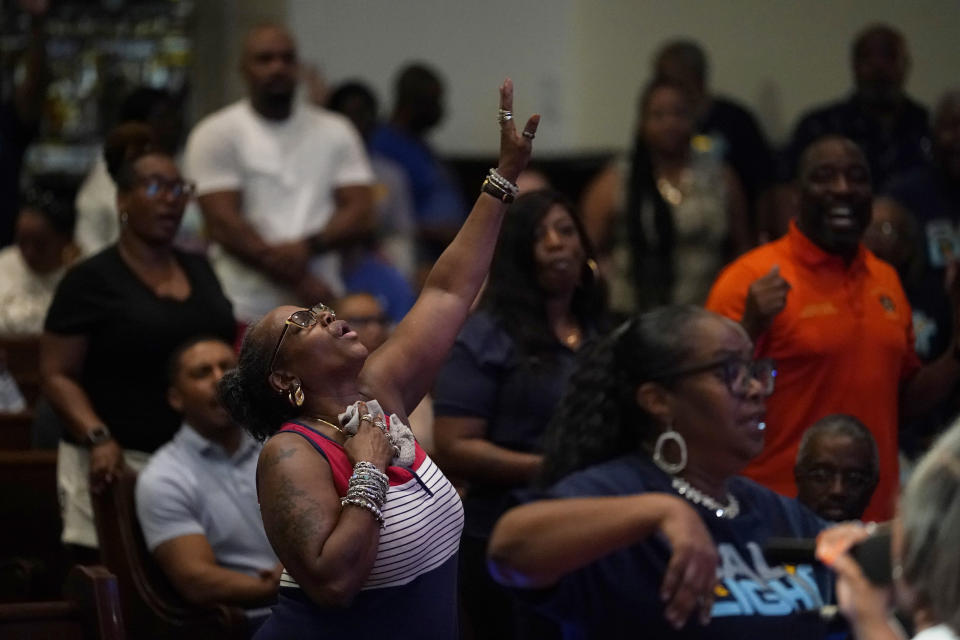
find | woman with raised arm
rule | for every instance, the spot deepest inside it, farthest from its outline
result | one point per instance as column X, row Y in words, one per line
column 647, row 527
column 364, row 522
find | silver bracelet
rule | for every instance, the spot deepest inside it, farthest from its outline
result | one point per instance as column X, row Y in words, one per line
column 364, row 504
column 496, row 178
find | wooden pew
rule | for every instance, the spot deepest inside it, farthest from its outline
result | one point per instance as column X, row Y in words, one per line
column 32, row 558
column 151, row 606
column 90, row 610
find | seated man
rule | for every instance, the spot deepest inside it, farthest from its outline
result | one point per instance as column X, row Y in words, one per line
column 197, row 497
column 837, row 468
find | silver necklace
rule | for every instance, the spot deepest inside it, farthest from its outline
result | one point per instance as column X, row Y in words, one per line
column 729, row 511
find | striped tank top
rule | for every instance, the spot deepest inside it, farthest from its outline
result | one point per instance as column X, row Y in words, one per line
column 423, row 515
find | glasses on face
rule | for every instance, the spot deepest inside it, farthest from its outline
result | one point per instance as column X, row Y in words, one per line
column 155, row 187
column 737, row 373
column 303, row 318
column 824, row 476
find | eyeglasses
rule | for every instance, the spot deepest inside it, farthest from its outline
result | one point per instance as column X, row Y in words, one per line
column 303, row 318
column 737, row 373
column 155, row 187
column 824, row 476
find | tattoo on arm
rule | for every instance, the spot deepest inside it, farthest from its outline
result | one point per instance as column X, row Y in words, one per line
column 297, row 518
column 274, row 460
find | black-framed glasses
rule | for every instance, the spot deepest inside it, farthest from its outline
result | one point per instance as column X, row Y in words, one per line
column 155, row 187
column 303, row 318
column 737, row 373
column 824, row 476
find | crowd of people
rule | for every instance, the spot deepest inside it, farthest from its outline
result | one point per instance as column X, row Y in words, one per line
column 358, row 405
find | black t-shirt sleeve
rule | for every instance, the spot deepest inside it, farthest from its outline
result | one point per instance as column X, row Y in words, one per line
column 222, row 321
column 78, row 303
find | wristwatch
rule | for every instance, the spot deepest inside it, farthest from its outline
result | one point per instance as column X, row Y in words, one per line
column 97, row 435
column 496, row 191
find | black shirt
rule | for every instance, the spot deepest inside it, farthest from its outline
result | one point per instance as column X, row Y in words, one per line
column 888, row 152
column 485, row 377
column 745, row 148
column 131, row 333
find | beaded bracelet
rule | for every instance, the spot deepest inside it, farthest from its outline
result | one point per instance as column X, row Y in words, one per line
column 369, row 467
column 496, row 178
column 364, row 504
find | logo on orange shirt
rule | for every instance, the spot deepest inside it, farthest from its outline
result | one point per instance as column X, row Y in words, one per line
column 889, row 306
column 818, row 309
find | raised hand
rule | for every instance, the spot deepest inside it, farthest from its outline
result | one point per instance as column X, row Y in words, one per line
column 515, row 148
column 766, row 297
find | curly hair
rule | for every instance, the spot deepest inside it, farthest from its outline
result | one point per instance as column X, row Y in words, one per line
column 513, row 294
column 246, row 393
column 598, row 418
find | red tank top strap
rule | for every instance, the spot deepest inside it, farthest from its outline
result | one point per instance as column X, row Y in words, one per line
column 339, row 462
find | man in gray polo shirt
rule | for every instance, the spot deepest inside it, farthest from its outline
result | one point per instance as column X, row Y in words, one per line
column 197, row 497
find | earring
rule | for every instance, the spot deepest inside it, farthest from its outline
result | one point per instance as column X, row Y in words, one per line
column 295, row 394
column 594, row 269
column 123, row 218
column 673, row 468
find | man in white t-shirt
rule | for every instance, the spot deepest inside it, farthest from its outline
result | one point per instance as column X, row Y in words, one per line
column 282, row 185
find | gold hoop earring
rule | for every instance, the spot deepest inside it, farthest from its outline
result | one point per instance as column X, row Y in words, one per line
column 295, row 395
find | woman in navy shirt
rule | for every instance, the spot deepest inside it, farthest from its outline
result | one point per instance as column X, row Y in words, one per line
column 647, row 529
column 505, row 376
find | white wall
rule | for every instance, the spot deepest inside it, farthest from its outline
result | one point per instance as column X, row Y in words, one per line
column 473, row 44
column 582, row 62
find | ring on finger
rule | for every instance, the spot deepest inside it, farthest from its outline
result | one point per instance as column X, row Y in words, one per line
column 380, row 424
column 504, row 116
column 366, row 416
column 530, row 135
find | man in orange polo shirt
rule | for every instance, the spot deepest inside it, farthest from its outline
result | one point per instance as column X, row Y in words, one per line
column 835, row 319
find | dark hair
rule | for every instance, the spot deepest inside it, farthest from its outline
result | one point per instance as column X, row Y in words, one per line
column 804, row 159
column 687, row 52
column 598, row 417
column 837, row 425
column 55, row 202
column 651, row 256
column 124, row 145
column 246, row 392
column 879, row 29
column 413, row 81
column 173, row 362
column 351, row 89
column 140, row 104
column 513, row 294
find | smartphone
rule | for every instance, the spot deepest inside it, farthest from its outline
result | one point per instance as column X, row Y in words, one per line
column 872, row 554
